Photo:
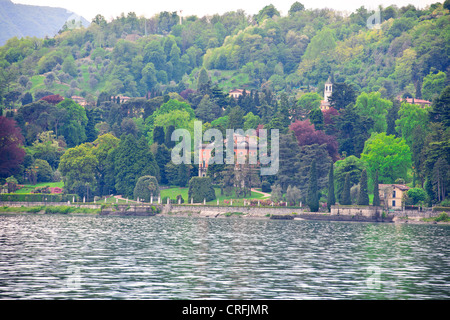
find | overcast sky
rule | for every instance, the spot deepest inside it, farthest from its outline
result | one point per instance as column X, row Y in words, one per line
column 148, row 8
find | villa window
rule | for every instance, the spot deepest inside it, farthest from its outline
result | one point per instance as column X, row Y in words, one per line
column 394, row 194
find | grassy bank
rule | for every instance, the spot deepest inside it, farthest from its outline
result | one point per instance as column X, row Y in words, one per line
column 443, row 217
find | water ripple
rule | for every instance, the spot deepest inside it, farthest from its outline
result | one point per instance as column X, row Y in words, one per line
column 78, row 257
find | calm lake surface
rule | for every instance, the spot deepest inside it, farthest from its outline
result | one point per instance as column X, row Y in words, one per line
column 93, row 257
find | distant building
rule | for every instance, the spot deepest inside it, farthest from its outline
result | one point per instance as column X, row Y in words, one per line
column 236, row 93
column 420, row 102
column 122, row 99
column 325, row 104
column 80, row 100
column 242, row 149
column 392, row 194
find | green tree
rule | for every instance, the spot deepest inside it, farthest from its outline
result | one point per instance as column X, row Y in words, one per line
column 296, row 7
column 316, row 118
column 363, row 195
column 74, row 123
column 417, row 195
column 376, row 192
column 331, row 200
column 293, row 195
column 251, row 121
column 267, row 12
column 350, row 165
column 208, row 110
column 313, row 192
column 345, row 196
column 168, row 139
column 236, row 118
column 131, row 159
column 103, row 145
column 277, row 193
column 43, row 170
column 343, row 95
column 146, row 187
column 78, row 167
column 433, row 84
column 440, row 111
column 158, row 135
column 288, row 160
column 183, row 175
column 374, row 107
column 388, row 155
column 323, row 41
column 200, row 189
column 306, row 103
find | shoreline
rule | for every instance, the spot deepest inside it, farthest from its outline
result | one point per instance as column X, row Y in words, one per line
column 235, row 216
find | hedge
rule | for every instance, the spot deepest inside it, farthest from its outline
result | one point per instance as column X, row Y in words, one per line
column 447, row 209
column 37, row 197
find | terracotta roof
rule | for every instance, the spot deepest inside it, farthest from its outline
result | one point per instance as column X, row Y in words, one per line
column 398, row 186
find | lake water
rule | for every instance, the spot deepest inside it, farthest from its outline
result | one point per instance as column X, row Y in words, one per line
column 94, row 257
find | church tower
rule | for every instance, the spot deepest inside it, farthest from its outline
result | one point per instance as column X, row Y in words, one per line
column 328, row 90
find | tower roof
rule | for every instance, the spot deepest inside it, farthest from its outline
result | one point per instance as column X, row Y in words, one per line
column 328, row 81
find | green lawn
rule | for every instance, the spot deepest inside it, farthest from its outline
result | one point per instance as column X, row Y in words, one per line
column 174, row 191
column 27, row 188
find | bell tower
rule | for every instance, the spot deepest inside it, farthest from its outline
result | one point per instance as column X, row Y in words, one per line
column 328, row 90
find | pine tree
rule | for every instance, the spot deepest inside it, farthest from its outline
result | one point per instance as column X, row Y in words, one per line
column 331, row 197
column 313, row 197
column 376, row 192
column 345, row 196
column 363, row 196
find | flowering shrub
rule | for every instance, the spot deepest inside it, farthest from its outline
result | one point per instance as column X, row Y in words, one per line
column 56, row 190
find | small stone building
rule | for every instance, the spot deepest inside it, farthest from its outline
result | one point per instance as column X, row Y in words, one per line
column 392, row 194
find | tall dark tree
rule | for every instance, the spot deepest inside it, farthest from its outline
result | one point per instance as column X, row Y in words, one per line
column 313, row 192
column 376, row 192
column 158, row 135
column 343, row 95
column 162, row 158
column 331, row 200
column 288, row 163
column 363, row 195
column 316, row 118
column 183, row 175
column 168, row 141
column 440, row 111
column 345, row 196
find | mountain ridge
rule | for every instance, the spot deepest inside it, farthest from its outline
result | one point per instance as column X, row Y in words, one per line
column 21, row 20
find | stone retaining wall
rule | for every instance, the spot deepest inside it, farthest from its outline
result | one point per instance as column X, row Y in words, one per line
column 214, row 211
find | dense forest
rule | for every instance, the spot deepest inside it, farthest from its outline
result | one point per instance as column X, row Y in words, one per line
column 96, row 106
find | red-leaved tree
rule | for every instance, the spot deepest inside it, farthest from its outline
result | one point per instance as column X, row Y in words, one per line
column 11, row 151
column 53, row 99
column 306, row 134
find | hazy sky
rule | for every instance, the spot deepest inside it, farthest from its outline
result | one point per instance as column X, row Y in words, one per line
column 113, row 8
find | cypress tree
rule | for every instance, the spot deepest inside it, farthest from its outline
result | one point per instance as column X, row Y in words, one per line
column 183, row 175
column 376, row 192
column 363, row 196
column 345, row 197
column 331, row 197
column 158, row 135
column 313, row 197
column 168, row 139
